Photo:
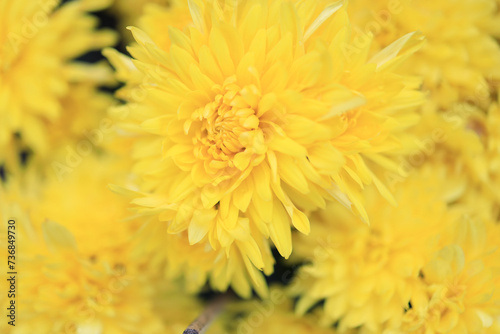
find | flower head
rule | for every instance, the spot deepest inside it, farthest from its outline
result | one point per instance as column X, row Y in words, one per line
column 255, row 112
column 85, row 275
column 65, row 292
column 459, row 290
column 45, row 96
column 367, row 274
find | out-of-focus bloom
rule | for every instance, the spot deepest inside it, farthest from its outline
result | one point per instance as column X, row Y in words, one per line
column 257, row 112
column 62, row 291
column 46, row 99
column 83, row 275
column 460, row 61
column 367, row 275
column 460, row 284
column 82, row 202
column 460, row 65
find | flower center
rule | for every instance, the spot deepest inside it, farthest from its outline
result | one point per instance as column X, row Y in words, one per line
column 222, row 127
column 227, row 124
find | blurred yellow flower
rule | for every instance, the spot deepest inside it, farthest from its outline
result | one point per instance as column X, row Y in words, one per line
column 44, row 96
column 85, row 275
column 257, row 112
column 83, row 203
column 460, row 289
column 460, row 61
column 61, row 291
column 367, row 274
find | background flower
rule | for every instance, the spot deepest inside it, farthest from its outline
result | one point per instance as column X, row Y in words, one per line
column 367, row 275
column 45, row 94
column 460, row 61
column 460, row 282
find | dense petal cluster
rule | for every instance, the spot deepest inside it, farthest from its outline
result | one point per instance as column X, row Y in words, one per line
column 253, row 113
column 198, row 264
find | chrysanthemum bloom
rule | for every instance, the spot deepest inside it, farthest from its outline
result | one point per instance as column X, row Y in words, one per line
column 83, row 204
column 460, row 65
column 460, row 60
column 44, row 95
column 255, row 113
column 460, row 283
column 62, row 291
column 366, row 275
column 96, row 282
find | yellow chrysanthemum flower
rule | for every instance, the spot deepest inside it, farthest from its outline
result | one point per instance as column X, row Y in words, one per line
column 44, row 96
column 62, row 291
column 460, row 65
column 367, row 274
column 92, row 278
column 83, row 203
column 460, row 61
column 255, row 113
column 460, row 284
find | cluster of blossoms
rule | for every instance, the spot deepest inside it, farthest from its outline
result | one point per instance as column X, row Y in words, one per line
column 333, row 163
